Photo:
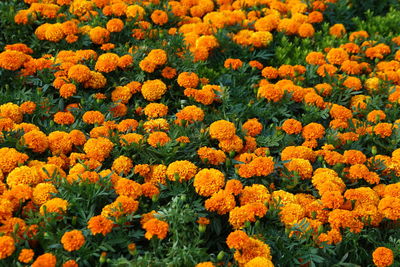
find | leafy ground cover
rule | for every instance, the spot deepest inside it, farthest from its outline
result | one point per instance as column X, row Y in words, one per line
column 199, row 133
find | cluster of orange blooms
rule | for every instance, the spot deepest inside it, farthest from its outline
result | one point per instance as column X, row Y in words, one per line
column 89, row 153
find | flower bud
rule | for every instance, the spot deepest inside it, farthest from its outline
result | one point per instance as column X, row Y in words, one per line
column 220, row 255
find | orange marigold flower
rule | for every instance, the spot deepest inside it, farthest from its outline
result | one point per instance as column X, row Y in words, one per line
column 222, row 129
column 353, row 157
column 115, row 25
column 237, row 239
column 56, row 205
column 254, row 193
column 7, row 246
column 234, row 187
column 233, row 63
column 168, row 72
column 26, row 255
column 155, row 110
column 315, row 58
column 47, row 259
column 28, row 107
column 188, row 79
column 70, row 263
column 36, row 140
column 12, row 111
column 182, row 170
column 252, row 127
column 383, row 129
column 376, row 115
column 107, row 62
column 270, row 73
column 67, row 90
column 158, row 139
column 149, row 190
column 100, row 225
column 158, row 57
column 313, row 131
column 247, row 213
column 73, row 240
column 79, row 73
column 190, row 114
column 98, row 148
column 390, row 207
column 159, row 17
column 156, row 227
column 64, row 118
column 153, row 89
column 337, row 56
column 306, row 30
column 292, row 126
column 221, row 202
column 208, row 182
column 93, row 117
column 271, row 92
column 353, row 83
column 211, row 155
column 382, row 257
column 337, row 30
column 122, row 165
column 99, row 35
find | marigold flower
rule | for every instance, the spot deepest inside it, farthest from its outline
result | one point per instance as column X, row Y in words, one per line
column 213, row 156
column 233, row 63
column 337, row 30
column 129, row 188
column 188, row 79
column 99, row 35
column 98, row 148
column 353, row 83
column 222, row 129
column 208, row 182
column 26, row 255
column 382, row 257
column 252, row 127
column 12, row 111
column 292, row 126
column 36, row 140
column 67, row 90
column 183, row 169
column 73, row 240
column 337, row 56
column 153, row 89
column 247, row 213
column 64, row 118
column 56, row 205
column 93, row 117
column 79, row 73
column 47, row 259
column 221, row 202
column 313, row 131
column 107, row 62
column 155, row 227
column 390, row 207
column 271, row 92
column 237, row 239
column 43, row 192
column 60, row 142
column 7, row 246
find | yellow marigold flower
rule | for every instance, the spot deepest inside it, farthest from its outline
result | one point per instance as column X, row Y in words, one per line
column 183, row 169
column 98, row 148
column 47, row 259
column 73, row 240
column 43, row 192
column 221, row 202
column 155, row 110
column 100, row 225
column 155, row 227
column 135, row 11
column 382, row 257
column 56, row 205
column 79, row 73
column 12, row 111
column 35, row 140
column 7, row 246
column 222, row 129
column 188, row 79
column 158, row 139
column 107, row 62
column 26, row 255
column 208, row 182
column 153, row 89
